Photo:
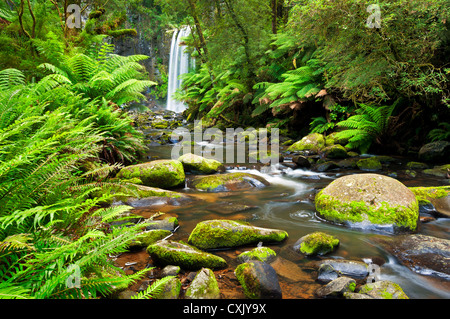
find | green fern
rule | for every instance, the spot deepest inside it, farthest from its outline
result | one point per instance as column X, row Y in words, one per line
column 154, row 289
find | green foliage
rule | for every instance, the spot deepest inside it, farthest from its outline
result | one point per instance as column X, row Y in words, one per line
column 154, row 289
column 440, row 134
column 372, row 123
column 103, row 74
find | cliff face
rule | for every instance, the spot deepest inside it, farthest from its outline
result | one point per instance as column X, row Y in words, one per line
column 155, row 44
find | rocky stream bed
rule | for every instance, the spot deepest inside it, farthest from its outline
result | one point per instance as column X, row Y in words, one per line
column 323, row 223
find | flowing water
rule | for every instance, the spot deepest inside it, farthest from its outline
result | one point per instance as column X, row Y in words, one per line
column 178, row 65
column 288, row 204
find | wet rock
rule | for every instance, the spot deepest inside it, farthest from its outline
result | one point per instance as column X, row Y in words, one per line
column 370, row 164
column 363, row 200
column 337, row 287
column 317, row 243
column 326, row 166
column 439, row 171
column 416, row 165
column 148, row 238
column 301, row 161
column 426, row 255
column 167, row 252
column 311, row 143
column 331, row 269
column 170, row 270
column 168, row 223
column 165, row 174
column 264, row 254
column 384, row 289
column 354, row 295
column 135, row 195
column 227, row 182
column 212, row 234
column 198, row 164
column 435, row 151
column 171, row 290
column 259, row 280
column 347, row 163
column 335, row 151
column 433, row 199
column 204, row 286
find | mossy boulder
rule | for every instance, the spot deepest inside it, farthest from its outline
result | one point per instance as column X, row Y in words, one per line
column 335, row 151
column 365, row 200
column 439, row 171
column 416, row 165
column 171, row 290
column 370, row 164
column 149, row 237
column 168, row 252
column 264, row 254
column 425, row 195
column 259, row 280
column 384, row 289
column 227, row 182
column 136, row 195
column 204, row 286
column 198, row 164
column 165, row 174
column 213, row 234
column 311, row 143
column 317, row 243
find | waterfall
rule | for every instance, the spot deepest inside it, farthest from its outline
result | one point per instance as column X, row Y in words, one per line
column 178, row 65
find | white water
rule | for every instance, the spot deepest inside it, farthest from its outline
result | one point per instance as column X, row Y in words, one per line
column 178, row 65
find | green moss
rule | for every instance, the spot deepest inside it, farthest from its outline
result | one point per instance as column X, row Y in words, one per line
column 213, row 234
column 340, row 212
column 318, row 243
column 183, row 255
column 123, row 32
column 215, row 182
column 200, row 164
column 264, row 254
column 424, row 194
column 248, row 282
column 369, row 164
column 312, row 142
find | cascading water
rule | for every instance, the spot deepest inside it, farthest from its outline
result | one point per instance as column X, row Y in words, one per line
column 178, row 65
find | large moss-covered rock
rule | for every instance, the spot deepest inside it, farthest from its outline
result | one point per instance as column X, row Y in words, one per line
column 167, row 252
column 311, row 143
column 227, row 182
column 370, row 164
column 335, row 151
column 259, row 280
column 426, row 194
column 198, row 164
column 160, row 173
column 204, row 286
column 368, row 199
column 317, row 243
column 212, row 234
column 137, row 195
column 149, row 237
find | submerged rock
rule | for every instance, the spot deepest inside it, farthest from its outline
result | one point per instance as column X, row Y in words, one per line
column 259, row 280
column 204, row 286
column 317, row 243
column 167, row 252
column 362, row 200
column 439, row 171
column 165, row 174
column 212, row 234
column 227, row 182
column 311, row 143
column 426, row 255
column 198, row 164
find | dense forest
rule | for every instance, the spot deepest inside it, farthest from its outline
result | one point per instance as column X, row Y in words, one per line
column 378, row 79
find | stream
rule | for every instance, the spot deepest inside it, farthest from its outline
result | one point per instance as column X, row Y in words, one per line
column 288, row 204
